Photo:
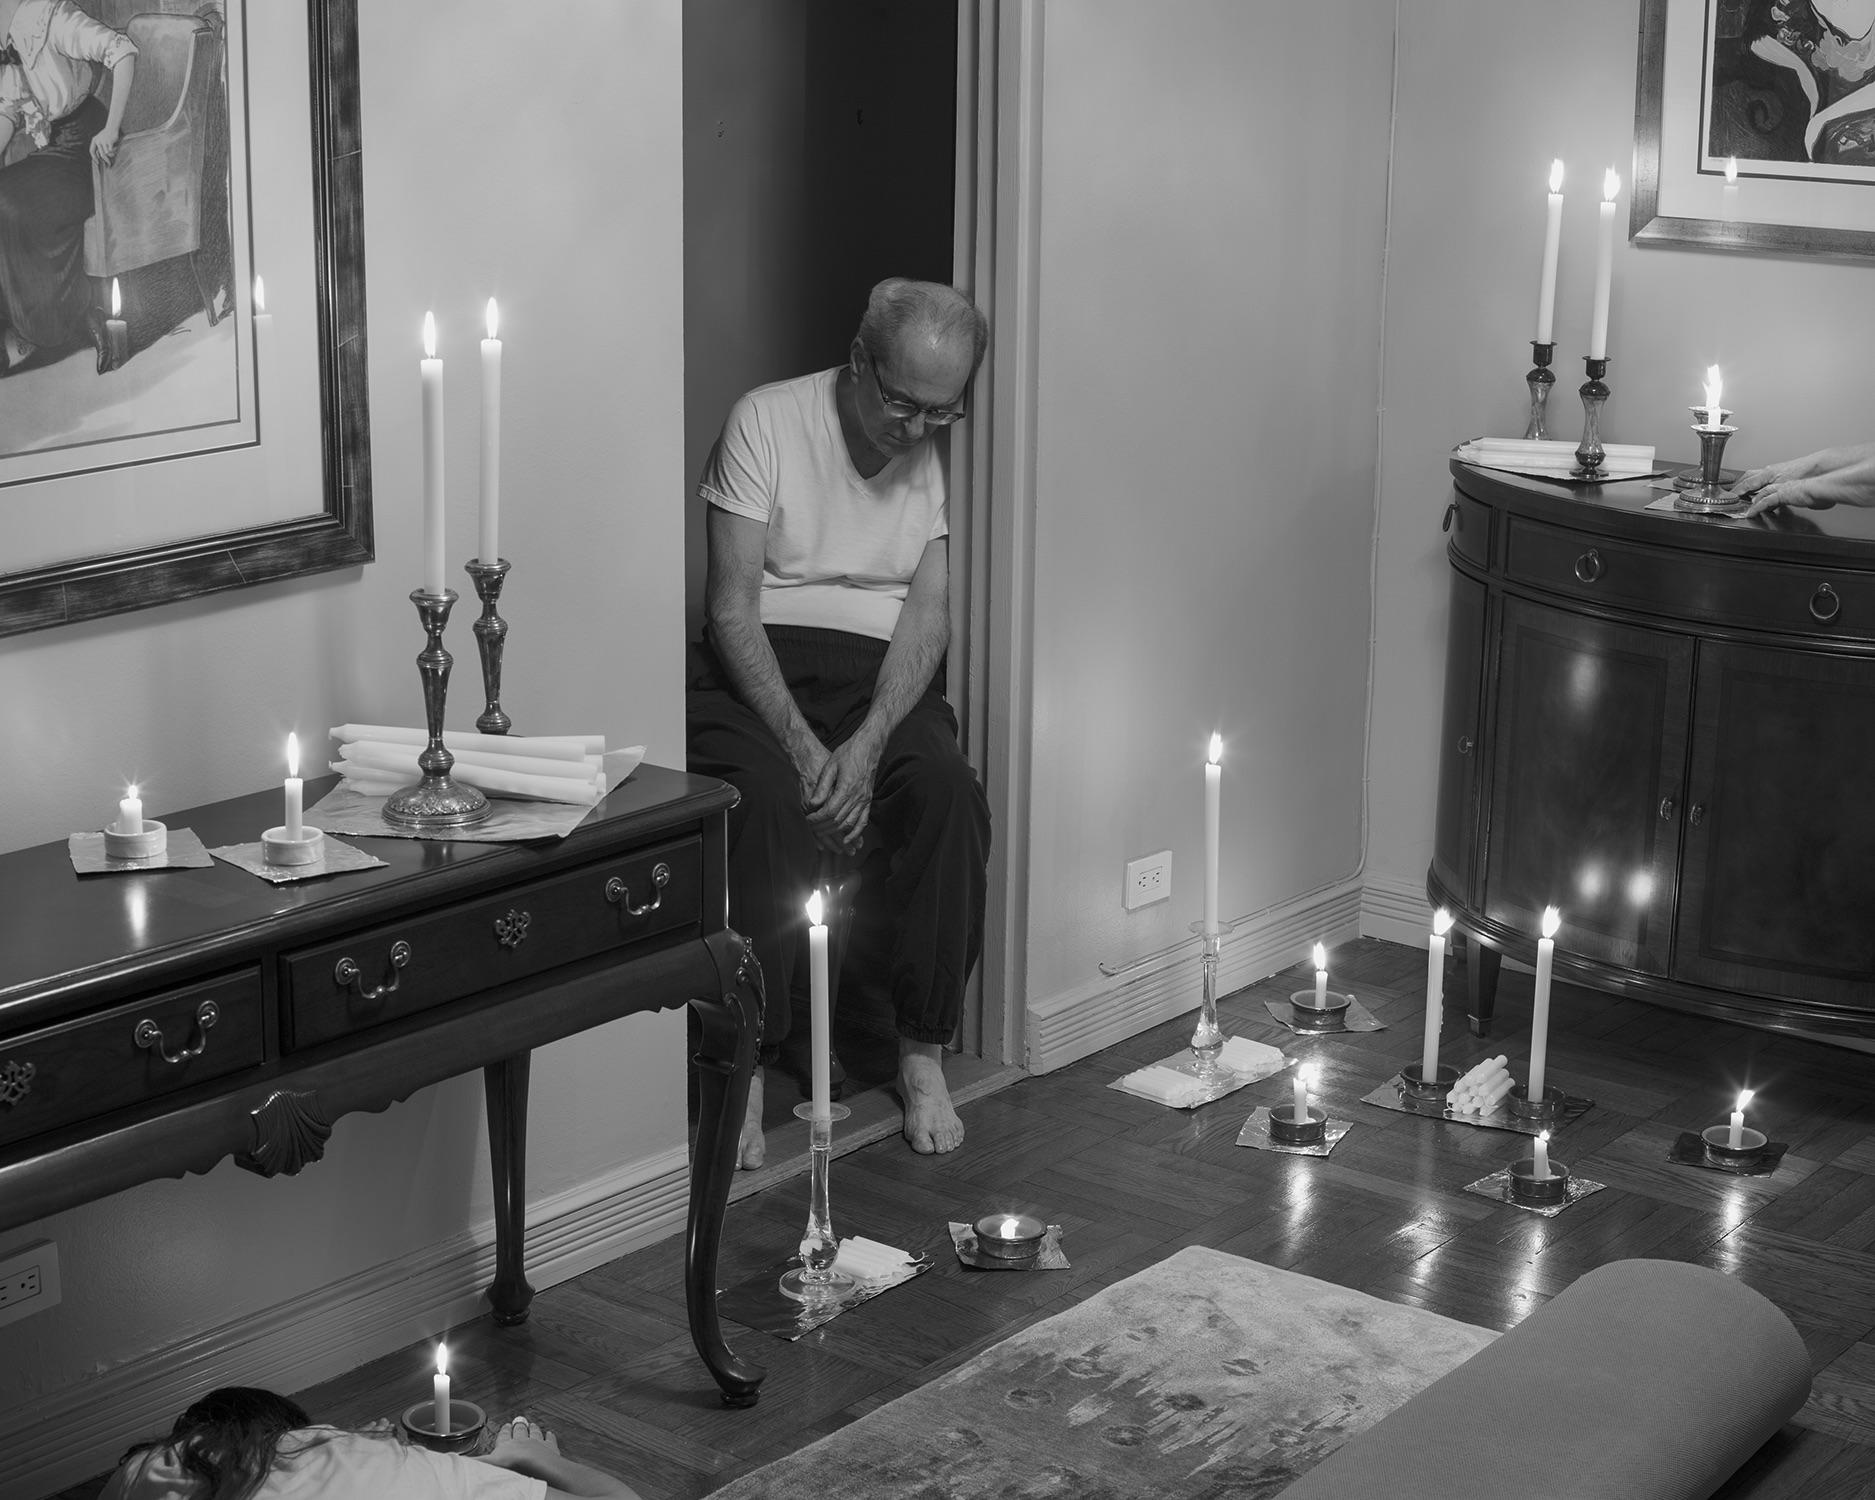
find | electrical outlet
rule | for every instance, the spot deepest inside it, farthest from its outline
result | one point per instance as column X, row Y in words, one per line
column 29, row 1281
column 1148, row 879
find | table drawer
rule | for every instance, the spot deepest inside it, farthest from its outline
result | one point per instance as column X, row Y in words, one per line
column 437, row 957
column 88, row 1067
column 1467, row 526
column 1697, row 586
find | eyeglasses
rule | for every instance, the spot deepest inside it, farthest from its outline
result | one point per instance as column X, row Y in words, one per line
column 901, row 410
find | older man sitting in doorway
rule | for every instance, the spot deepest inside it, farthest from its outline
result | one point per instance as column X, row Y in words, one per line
column 819, row 694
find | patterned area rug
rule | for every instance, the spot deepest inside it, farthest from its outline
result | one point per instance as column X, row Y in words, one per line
column 1204, row 1376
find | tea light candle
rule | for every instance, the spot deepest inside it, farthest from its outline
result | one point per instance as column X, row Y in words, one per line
column 1305, row 1076
column 1736, row 1140
column 294, row 789
column 439, row 1390
column 1539, row 1156
column 130, row 812
column 1009, row 1236
column 1321, row 977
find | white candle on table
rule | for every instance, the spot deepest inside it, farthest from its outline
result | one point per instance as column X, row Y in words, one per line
column 1304, row 1077
column 1728, row 195
column 1321, row 975
column 439, row 1388
column 1737, row 1138
column 1213, row 794
column 1435, row 994
column 432, row 370
column 491, row 439
column 130, row 812
column 1552, row 244
column 819, row 1022
column 1715, row 387
column 1539, row 1016
column 294, row 787
column 1604, row 266
column 116, row 330
column 1539, row 1153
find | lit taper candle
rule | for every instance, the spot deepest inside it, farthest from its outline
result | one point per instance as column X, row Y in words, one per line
column 1321, row 976
column 1715, row 388
column 1552, row 245
column 439, row 1391
column 1435, row 994
column 1604, row 265
column 820, row 1023
column 1539, row 1016
column 1305, row 1080
column 491, row 439
column 1736, row 1140
column 432, row 371
column 1213, row 794
column 130, row 812
column 1539, row 1156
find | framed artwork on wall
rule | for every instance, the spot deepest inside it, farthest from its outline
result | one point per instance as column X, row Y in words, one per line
column 183, row 404
column 1782, row 91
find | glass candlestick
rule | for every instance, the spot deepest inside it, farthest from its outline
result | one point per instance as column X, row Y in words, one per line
column 491, row 631
column 1207, row 1037
column 1589, row 452
column 815, row 1280
column 437, row 801
column 1706, row 490
column 1541, row 380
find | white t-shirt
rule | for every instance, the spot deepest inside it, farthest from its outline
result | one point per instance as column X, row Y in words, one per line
column 841, row 549
column 347, row 1466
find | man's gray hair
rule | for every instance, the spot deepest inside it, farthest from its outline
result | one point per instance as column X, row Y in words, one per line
column 900, row 309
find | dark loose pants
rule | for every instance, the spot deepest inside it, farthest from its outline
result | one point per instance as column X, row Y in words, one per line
column 927, row 805
column 45, row 199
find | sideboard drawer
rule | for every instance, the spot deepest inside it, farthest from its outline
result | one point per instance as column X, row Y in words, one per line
column 377, row 975
column 1468, row 528
column 88, row 1067
column 1696, row 586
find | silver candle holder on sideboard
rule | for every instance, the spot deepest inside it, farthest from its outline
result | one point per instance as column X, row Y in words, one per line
column 1706, row 490
column 491, row 633
column 438, row 800
column 1541, row 380
column 1589, row 452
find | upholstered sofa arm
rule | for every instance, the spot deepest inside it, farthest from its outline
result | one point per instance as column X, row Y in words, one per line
column 1644, row 1380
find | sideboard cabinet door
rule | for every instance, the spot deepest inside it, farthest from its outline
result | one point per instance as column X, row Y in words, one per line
column 1461, row 753
column 1779, row 888
column 1590, row 747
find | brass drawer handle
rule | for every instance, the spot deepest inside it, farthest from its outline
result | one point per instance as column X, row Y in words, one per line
column 511, row 930
column 1589, row 566
column 1666, row 809
column 16, row 1081
column 347, row 972
column 1452, row 511
column 1825, row 603
column 149, row 1036
column 618, row 893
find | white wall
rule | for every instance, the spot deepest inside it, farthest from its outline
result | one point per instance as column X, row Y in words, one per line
column 1213, row 199
column 489, row 169
column 1488, row 95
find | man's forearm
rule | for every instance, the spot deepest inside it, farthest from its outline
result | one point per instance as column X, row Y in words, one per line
column 918, row 644
column 749, row 660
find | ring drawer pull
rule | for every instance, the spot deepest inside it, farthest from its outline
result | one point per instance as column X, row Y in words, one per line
column 1589, row 566
column 16, row 1081
column 1666, row 809
column 1696, row 813
column 1452, row 512
column 1825, row 603
column 347, row 972
column 511, row 930
column 1464, row 744
column 149, row 1036
column 618, row 893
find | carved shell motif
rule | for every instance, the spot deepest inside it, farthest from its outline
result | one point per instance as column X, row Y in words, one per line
column 16, row 1081
column 290, row 1130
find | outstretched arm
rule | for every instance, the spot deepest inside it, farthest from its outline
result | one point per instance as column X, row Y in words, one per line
column 1816, row 481
column 842, row 798
column 525, row 1447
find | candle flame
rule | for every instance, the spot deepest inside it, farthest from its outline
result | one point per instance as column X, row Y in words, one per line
column 1552, row 919
column 429, row 335
column 1010, row 1227
column 260, row 294
column 1543, row 1136
column 292, row 755
column 442, row 1359
column 131, row 791
column 1611, row 185
column 1555, row 175
column 1441, row 922
column 1745, row 1097
column 813, row 909
column 494, row 317
column 1731, row 171
column 1217, row 748
column 1321, row 956
column 117, row 300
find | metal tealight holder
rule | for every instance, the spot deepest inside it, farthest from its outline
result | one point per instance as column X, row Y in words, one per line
column 491, row 632
column 1541, row 380
column 1594, row 393
column 438, row 800
column 1706, row 491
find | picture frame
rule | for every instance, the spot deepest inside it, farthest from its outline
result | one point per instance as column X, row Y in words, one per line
column 339, row 533
column 1679, row 195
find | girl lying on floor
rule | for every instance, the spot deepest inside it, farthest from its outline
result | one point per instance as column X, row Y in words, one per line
column 240, row 1443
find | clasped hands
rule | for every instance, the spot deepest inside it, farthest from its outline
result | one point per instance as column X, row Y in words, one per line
column 836, row 790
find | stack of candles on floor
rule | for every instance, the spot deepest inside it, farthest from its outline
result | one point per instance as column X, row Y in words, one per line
column 1480, row 1091
column 377, row 760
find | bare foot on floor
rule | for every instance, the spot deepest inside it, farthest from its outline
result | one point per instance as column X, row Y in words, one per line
column 753, row 1150
column 931, row 1123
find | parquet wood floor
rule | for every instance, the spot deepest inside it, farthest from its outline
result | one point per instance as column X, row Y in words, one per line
column 606, row 1359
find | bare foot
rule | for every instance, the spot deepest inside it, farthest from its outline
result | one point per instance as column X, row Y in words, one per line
column 754, row 1148
column 931, row 1123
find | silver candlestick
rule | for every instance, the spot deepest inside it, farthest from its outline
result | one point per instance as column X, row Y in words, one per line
column 1541, row 380
column 1589, row 452
column 438, row 800
column 1706, row 491
column 491, row 631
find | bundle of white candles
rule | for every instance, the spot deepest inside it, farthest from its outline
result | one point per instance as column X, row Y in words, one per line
column 1479, row 1090
column 377, row 759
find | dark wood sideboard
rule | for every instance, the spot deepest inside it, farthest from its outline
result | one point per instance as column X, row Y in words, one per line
column 152, row 1024
column 1663, row 725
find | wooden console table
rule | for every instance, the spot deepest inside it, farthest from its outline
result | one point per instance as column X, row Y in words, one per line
column 1663, row 725
column 152, row 1024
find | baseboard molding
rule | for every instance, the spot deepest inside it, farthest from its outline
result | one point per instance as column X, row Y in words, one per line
column 1076, row 1023
column 68, row 1435
column 1395, row 910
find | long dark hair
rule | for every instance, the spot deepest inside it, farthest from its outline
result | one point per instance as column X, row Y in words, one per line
column 228, row 1439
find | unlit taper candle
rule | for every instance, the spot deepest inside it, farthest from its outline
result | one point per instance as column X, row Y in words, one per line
column 491, row 439
column 432, row 372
